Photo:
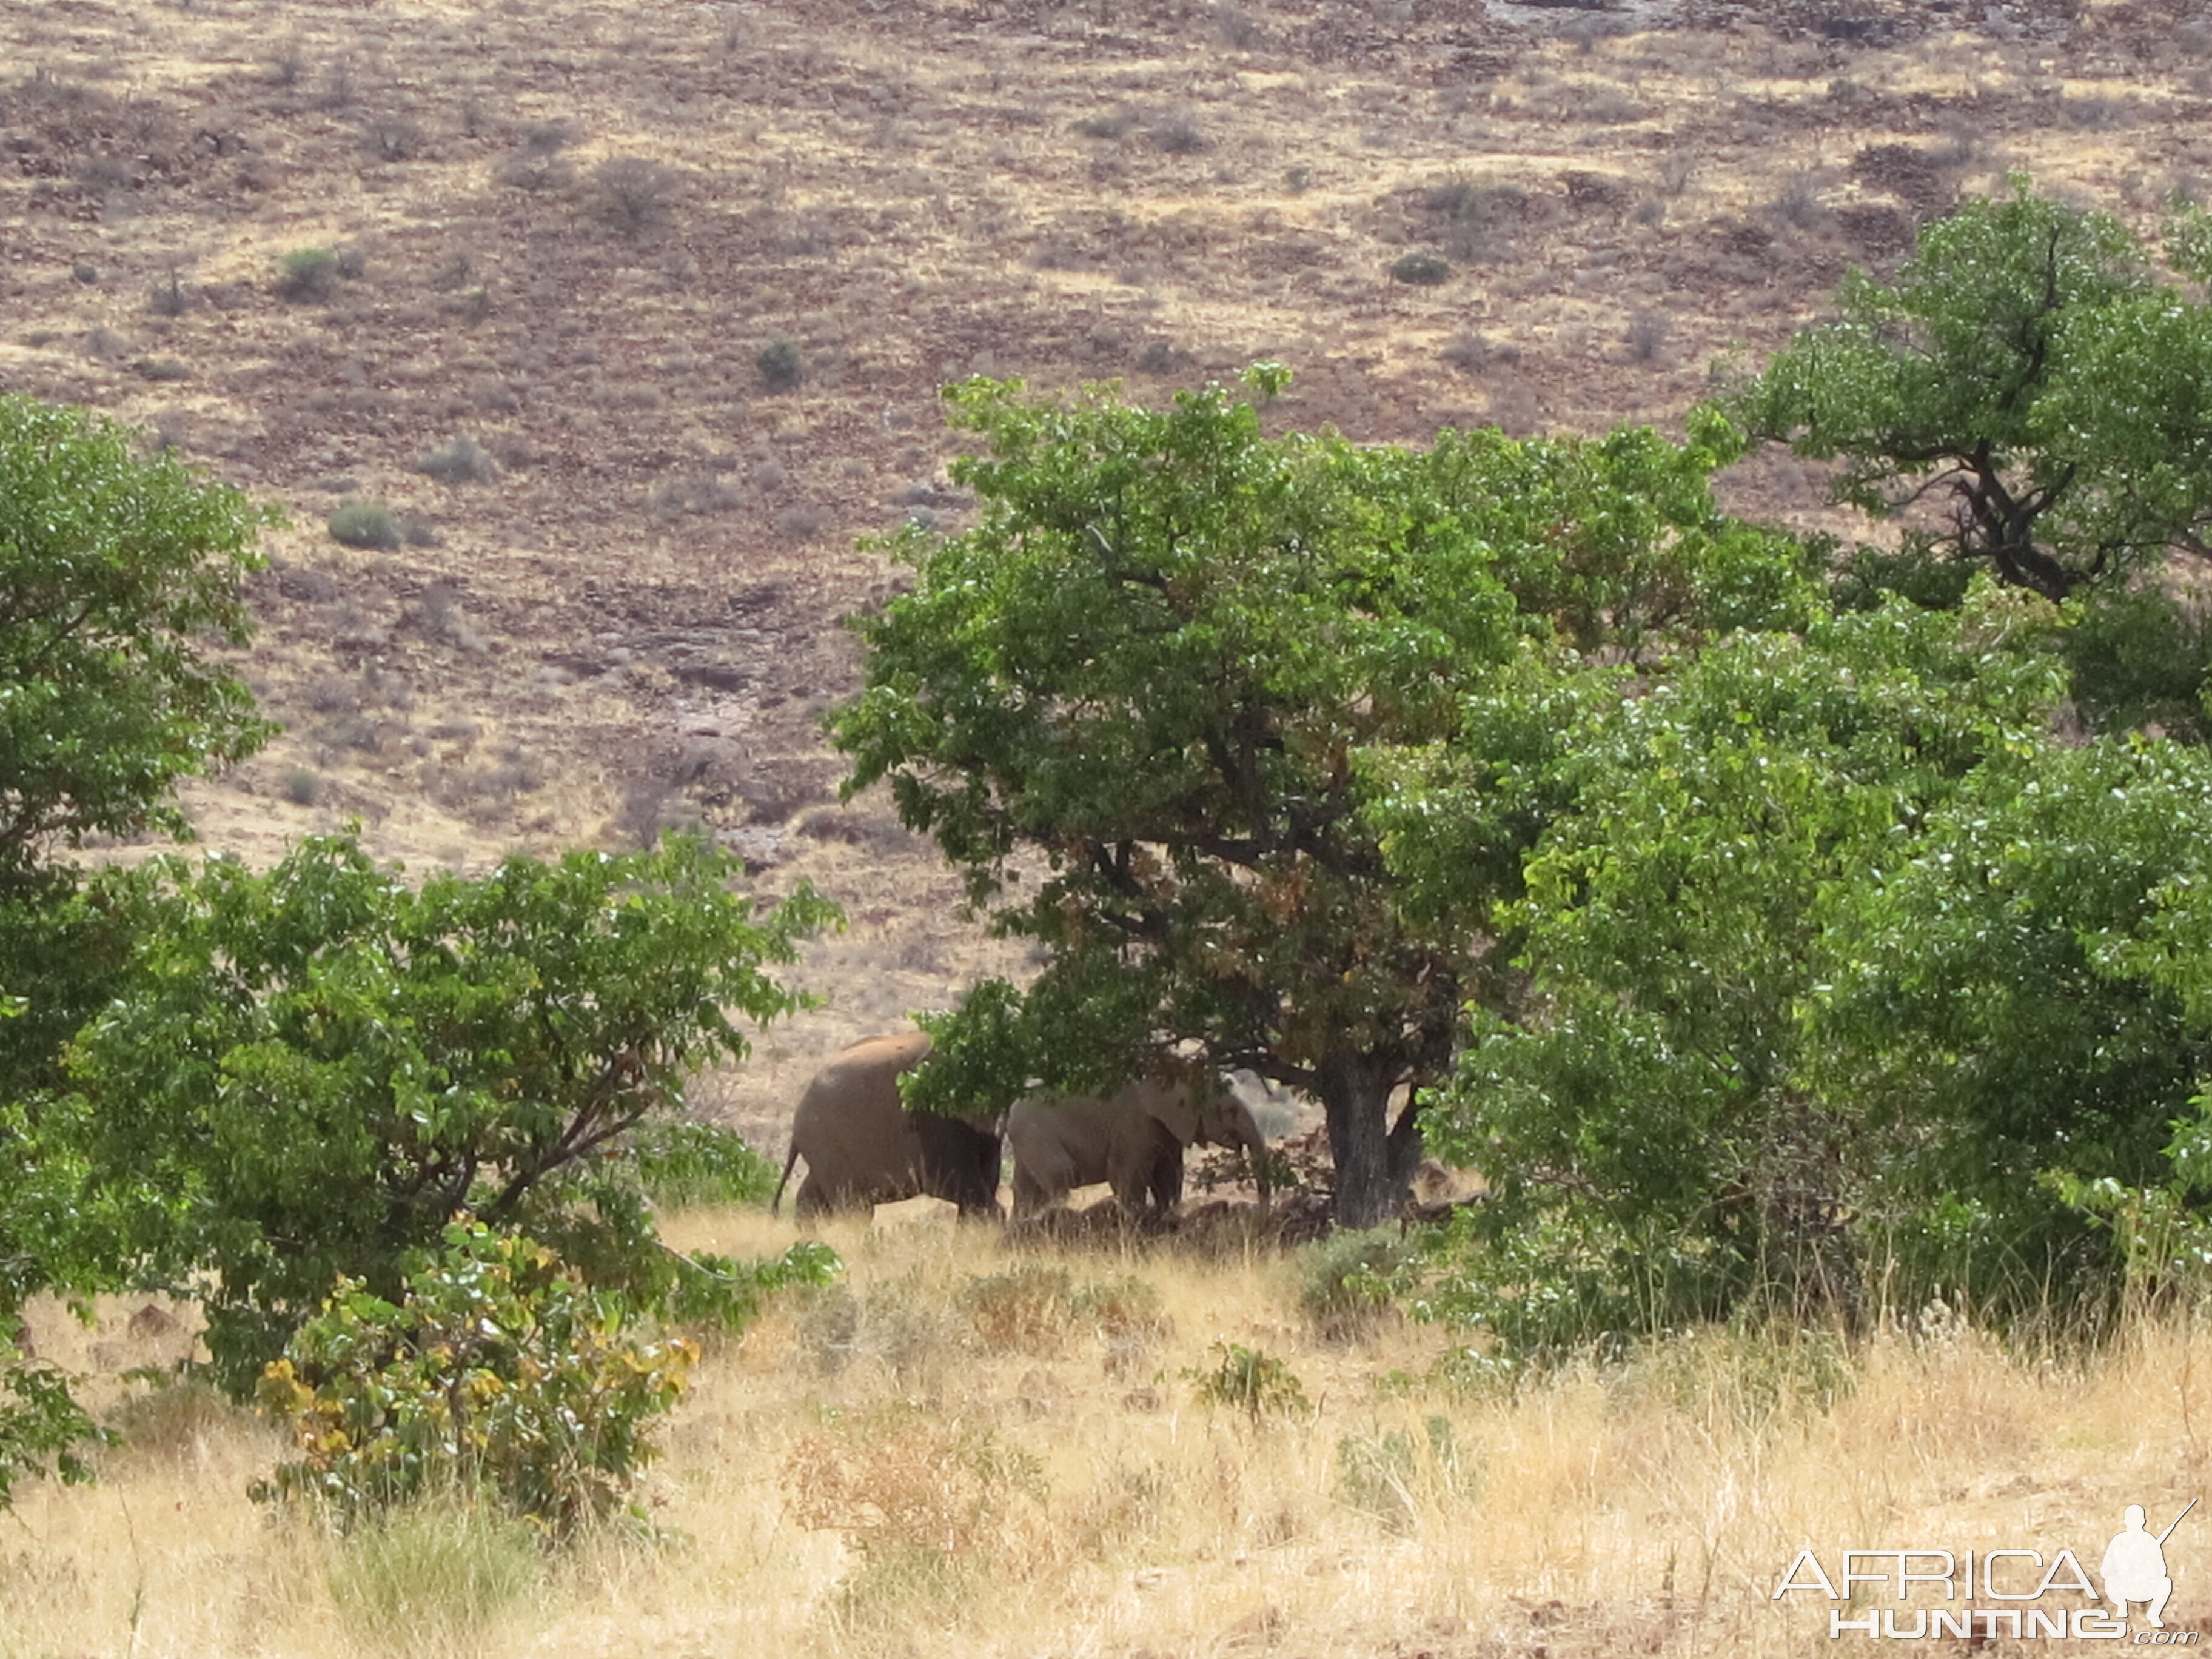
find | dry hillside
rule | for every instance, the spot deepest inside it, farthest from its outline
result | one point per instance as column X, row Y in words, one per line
column 633, row 317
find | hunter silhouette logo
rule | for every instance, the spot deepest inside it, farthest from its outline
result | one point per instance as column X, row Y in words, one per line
column 1982, row 1595
column 2135, row 1566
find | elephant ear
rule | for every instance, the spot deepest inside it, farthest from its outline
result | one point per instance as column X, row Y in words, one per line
column 1169, row 1100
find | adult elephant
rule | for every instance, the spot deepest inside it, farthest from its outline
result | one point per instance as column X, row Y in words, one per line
column 1135, row 1141
column 864, row 1148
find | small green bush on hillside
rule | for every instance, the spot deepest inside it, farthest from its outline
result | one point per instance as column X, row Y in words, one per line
column 780, row 365
column 1423, row 270
column 366, row 524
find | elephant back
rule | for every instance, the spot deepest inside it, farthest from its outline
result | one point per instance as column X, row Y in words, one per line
column 850, row 1126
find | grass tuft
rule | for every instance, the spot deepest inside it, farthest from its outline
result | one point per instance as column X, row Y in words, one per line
column 427, row 1578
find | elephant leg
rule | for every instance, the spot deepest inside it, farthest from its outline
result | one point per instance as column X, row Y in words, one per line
column 1045, row 1171
column 1165, row 1182
column 960, row 1164
column 811, row 1203
column 1029, row 1194
column 1147, row 1170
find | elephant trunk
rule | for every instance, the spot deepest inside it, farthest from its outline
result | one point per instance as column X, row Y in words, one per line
column 1255, row 1150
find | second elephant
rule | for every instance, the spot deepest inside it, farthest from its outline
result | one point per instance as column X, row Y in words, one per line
column 1135, row 1141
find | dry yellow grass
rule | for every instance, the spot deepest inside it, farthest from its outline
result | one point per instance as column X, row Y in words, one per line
column 966, row 1448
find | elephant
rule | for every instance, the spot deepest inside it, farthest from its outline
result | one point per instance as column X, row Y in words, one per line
column 863, row 1147
column 1135, row 1141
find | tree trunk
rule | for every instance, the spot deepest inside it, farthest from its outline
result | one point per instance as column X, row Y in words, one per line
column 1374, row 1159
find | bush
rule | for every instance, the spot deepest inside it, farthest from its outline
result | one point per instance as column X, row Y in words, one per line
column 308, row 274
column 169, row 297
column 40, row 1423
column 462, row 461
column 800, row 524
column 118, row 567
column 1254, row 1382
column 632, row 194
column 1798, row 203
column 1647, row 335
column 1239, row 31
column 780, row 366
column 303, row 785
column 498, row 1374
column 1475, row 214
column 684, row 1165
column 1179, row 135
column 1471, row 352
column 393, row 138
column 361, row 523
column 549, row 137
column 706, row 1289
column 535, row 170
column 696, row 492
column 1122, row 1310
column 1425, row 269
column 1346, row 1289
column 554, row 1004
column 1115, row 125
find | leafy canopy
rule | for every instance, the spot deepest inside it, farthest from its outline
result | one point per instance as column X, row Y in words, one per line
column 2033, row 396
column 1642, row 1105
column 315, row 1069
column 118, row 573
column 117, row 570
column 1157, row 661
column 2021, row 1002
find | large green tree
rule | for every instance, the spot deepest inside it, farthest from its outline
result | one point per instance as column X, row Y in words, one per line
column 2017, row 1012
column 120, row 572
column 1843, row 974
column 1657, row 1145
column 2032, row 396
column 1131, row 704
column 310, row 1071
